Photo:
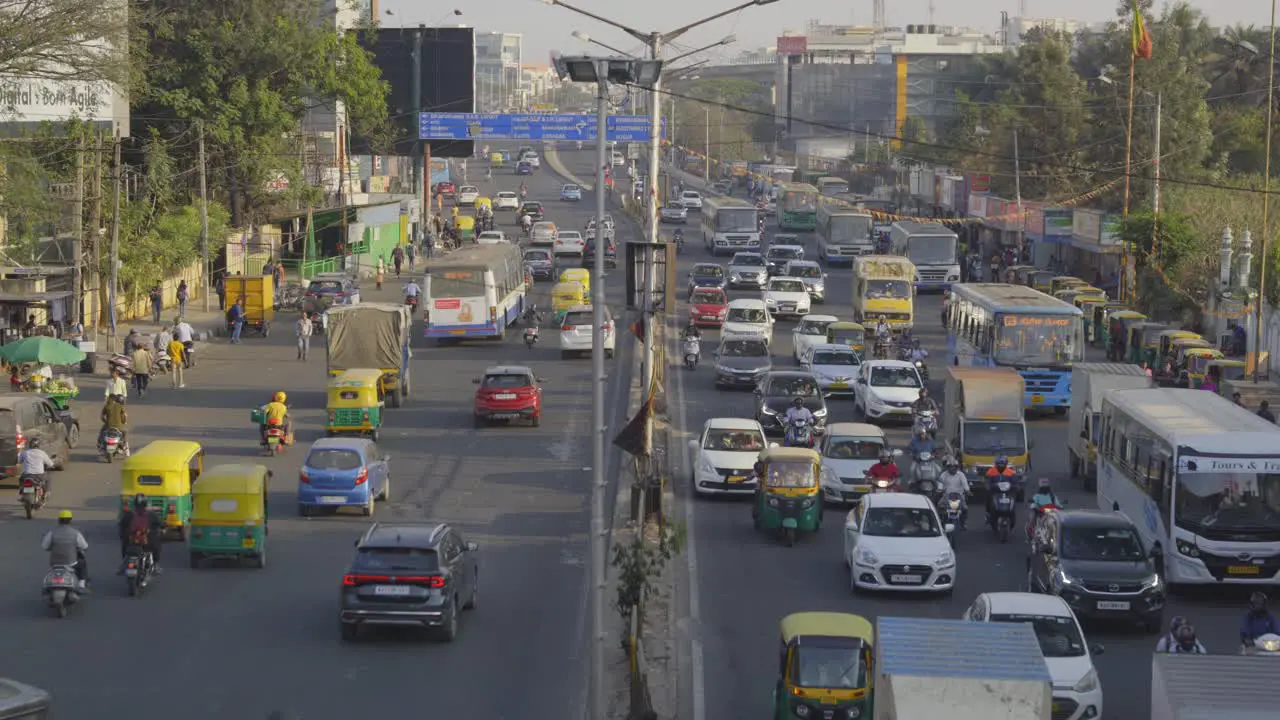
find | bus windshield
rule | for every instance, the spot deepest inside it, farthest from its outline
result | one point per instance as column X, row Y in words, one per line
column 849, row 229
column 1224, row 506
column 1039, row 340
column 736, row 220
column 994, row 438
column 932, row 250
column 800, row 201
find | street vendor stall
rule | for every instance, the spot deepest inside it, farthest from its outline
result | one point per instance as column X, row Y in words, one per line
column 31, row 361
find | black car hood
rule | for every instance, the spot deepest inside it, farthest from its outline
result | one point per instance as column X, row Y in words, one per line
column 1095, row 571
column 745, row 363
column 708, row 281
column 780, row 403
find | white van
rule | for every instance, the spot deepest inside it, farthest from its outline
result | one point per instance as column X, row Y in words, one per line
column 748, row 316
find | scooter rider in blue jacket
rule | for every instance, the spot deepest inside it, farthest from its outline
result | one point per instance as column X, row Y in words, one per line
column 1258, row 621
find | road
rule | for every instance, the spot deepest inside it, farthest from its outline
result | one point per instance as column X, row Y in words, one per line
column 742, row 583
column 240, row 643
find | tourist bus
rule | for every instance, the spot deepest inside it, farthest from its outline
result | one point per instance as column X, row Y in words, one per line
column 476, row 291
column 844, row 233
column 798, row 206
column 729, row 225
column 1199, row 476
column 997, row 325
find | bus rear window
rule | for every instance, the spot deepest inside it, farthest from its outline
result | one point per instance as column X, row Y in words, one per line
column 457, row 283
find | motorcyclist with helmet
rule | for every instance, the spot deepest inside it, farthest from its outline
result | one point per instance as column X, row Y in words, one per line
column 952, row 480
column 67, row 547
column 886, row 469
column 532, row 318
column 1181, row 639
column 36, row 464
column 797, row 411
column 997, row 472
column 1044, row 496
column 692, row 331
column 276, row 412
column 143, row 529
column 924, row 403
column 1258, row 621
column 678, row 238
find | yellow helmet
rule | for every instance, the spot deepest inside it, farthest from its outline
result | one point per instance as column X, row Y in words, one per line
column 280, row 397
column 64, row 515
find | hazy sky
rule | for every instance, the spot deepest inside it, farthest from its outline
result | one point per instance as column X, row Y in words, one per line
column 547, row 28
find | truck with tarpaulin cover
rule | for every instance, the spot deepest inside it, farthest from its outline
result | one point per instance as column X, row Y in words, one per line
column 928, row 669
column 1089, row 383
column 882, row 286
column 372, row 336
column 984, row 419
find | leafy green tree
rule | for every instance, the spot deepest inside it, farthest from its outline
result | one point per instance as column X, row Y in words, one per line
column 73, row 40
column 737, row 113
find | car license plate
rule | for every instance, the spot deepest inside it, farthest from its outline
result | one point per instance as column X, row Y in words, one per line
column 1037, row 399
column 505, row 396
column 28, row 490
column 504, row 416
column 333, row 499
column 736, row 478
column 1112, row 605
column 391, row 590
column 1243, row 570
column 247, row 542
column 861, row 488
column 839, row 386
column 913, row 579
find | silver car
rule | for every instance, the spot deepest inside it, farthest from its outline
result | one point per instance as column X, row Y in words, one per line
column 543, row 233
column 748, row 269
column 810, row 273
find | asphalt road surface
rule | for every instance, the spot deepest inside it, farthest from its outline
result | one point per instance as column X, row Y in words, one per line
column 241, row 643
column 745, row 582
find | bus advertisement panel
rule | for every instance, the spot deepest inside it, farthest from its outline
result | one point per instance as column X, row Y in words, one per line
column 798, row 207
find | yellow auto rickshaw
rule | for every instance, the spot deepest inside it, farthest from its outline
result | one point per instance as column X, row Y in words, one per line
column 578, row 275
column 1196, row 365
column 497, row 160
column 1166, row 339
column 1179, row 348
column 229, row 515
column 566, row 295
column 1224, row 369
column 1021, row 277
column 788, row 499
column 466, row 227
column 1144, row 342
column 355, row 401
column 482, row 203
column 825, row 667
column 1011, row 273
column 1070, row 294
column 1064, row 282
column 848, row 333
column 1115, row 329
column 1041, row 280
column 163, row 472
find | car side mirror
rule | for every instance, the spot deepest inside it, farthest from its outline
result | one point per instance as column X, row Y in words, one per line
column 356, row 543
column 472, row 547
column 1097, row 649
column 1084, row 435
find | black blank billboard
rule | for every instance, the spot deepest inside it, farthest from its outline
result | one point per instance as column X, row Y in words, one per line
column 448, row 81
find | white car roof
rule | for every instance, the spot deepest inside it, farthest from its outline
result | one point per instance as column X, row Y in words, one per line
column 569, row 234
column 506, row 194
column 755, row 303
column 821, row 318
column 690, row 193
column 492, row 233
column 726, row 337
column 897, row 500
column 731, row 424
column 831, row 347
column 469, row 188
column 803, row 263
column 1025, row 603
column 855, row 430
column 570, row 186
column 889, row 364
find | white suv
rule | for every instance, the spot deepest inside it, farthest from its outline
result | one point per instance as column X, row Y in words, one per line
column 575, row 332
column 691, row 199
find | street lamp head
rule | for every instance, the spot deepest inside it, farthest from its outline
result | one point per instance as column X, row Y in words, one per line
column 619, row 70
column 581, row 36
column 548, row 2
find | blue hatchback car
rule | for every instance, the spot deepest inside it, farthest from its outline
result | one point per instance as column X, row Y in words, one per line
column 343, row 472
column 571, row 193
column 524, row 168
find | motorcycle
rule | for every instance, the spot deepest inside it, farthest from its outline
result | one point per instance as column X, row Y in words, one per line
column 62, row 588
column 799, row 433
column 925, row 421
column 530, row 337
column 162, row 365
column 189, row 354
column 881, row 485
column 412, row 302
column 33, row 493
column 1268, row 644
column 953, row 510
column 139, row 567
column 1036, row 512
column 1002, row 518
column 923, row 370
column 679, row 238
column 112, row 444
column 881, row 351
column 692, row 352
column 924, row 474
column 273, row 439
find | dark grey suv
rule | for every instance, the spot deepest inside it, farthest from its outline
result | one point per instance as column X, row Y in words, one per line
column 409, row 575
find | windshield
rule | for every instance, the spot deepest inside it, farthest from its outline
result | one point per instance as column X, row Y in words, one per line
column 537, row 255
column 733, row 440
column 571, row 188
column 888, row 289
column 747, row 315
column 791, row 473
column 333, row 459
column 500, row 382
column 813, row 327
column 802, row 200
column 784, row 253
column 932, row 250
column 1107, row 544
column 707, row 297
column 847, row 337
column 903, row 377
column 747, row 260
column 849, row 229
column 804, row 271
column 791, row 286
column 834, row 357
column 901, row 522
column 994, row 438
column 1226, row 505
column 1059, row 635
column 1039, row 340
column 744, row 348
column 708, row 271
column 817, row 666
column 737, row 220
column 799, row 386
column 854, row 448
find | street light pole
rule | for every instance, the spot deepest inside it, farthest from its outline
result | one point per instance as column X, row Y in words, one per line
column 598, row 420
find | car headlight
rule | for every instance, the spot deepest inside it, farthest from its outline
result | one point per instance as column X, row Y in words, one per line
column 1088, row 683
column 770, row 301
column 705, row 467
column 1152, row 582
column 819, row 288
column 945, row 559
column 866, row 557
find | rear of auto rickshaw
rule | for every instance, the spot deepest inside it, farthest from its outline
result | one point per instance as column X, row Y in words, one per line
column 1144, row 342
column 565, row 295
column 1011, row 273
column 1224, row 369
column 466, row 227
column 825, row 667
column 482, row 203
column 1116, row 331
column 787, row 494
column 229, row 515
column 1064, row 282
column 354, row 403
column 578, row 275
column 1166, row 339
column 1196, row 365
column 1041, row 280
column 1088, row 304
column 1072, row 293
column 1023, row 274
column 848, row 333
column 258, row 294
column 1179, row 349
column 164, row 472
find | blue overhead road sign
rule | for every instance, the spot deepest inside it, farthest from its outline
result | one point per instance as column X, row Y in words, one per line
column 488, row 126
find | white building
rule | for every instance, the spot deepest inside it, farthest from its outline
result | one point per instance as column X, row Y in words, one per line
column 537, row 82
column 499, row 56
column 1020, row 26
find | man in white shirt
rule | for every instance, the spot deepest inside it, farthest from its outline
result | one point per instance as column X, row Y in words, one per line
column 116, row 385
column 183, row 333
column 36, row 463
column 304, row 330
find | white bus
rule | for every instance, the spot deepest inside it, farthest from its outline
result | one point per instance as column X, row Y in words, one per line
column 1199, row 477
column 729, row 225
column 844, row 233
column 476, row 291
column 832, row 186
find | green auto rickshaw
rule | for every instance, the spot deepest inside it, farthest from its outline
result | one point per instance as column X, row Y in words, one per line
column 788, row 497
column 229, row 515
column 825, row 667
column 1087, row 304
column 1165, row 342
column 1223, row 369
column 1144, row 342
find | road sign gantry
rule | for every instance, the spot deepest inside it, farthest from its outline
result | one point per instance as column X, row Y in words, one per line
column 530, row 126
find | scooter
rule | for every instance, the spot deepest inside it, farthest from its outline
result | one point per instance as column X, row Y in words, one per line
column 530, row 337
column 62, row 589
column 1268, row 644
column 139, row 567
column 799, row 433
column 953, row 510
column 925, row 421
column 1002, row 518
column 189, row 354
column 924, row 475
column 33, row 493
column 112, row 444
column 412, row 302
column 679, row 238
column 881, row 485
column 692, row 352
column 273, row 440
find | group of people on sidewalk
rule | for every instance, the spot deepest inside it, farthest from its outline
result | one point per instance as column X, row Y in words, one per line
column 174, row 342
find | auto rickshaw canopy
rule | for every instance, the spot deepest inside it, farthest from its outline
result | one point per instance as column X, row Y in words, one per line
column 231, row 492
column 826, row 624
column 783, row 471
column 162, row 467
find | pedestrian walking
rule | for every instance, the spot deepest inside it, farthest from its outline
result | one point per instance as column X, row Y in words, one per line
column 277, row 278
column 220, row 287
column 235, row 318
column 141, row 369
column 162, row 340
column 183, row 295
column 397, row 258
column 380, row 273
column 411, row 253
column 177, row 358
column 157, row 303
column 304, row 330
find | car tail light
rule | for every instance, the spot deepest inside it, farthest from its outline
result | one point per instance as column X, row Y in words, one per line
column 171, row 509
column 363, row 477
column 365, row 416
column 125, row 505
column 353, row 580
column 309, row 293
column 566, row 328
column 431, row 581
column 340, row 294
column 304, row 477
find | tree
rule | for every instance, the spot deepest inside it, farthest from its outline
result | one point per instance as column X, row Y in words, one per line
column 73, row 40
column 248, row 70
column 738, row 115
column 1237, row 67
column 1175, row 262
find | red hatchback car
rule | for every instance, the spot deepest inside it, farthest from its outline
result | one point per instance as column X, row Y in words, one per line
column 508, row 392
column 707, row 307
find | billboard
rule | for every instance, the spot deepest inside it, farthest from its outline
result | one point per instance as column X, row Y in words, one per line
column 447, row 82
column 792, row 45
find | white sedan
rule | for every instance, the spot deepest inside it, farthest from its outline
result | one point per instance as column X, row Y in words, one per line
column 467, row 195
column 786, row 296
column 569, row 242
column 895, row 541
column 834, row 366
column 886, row 389
column 810, row 331
column 543, row 233
column 491, row 237
column 724, row 456
column 575, row 332
column 506, row 200
column 691, row 199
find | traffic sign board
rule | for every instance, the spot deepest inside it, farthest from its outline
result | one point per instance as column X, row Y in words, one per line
column 534, row 126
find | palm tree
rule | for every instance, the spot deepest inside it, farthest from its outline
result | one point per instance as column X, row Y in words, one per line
column 1237, row 72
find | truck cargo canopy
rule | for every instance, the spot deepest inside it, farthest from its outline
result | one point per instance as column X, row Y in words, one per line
column 368, row 335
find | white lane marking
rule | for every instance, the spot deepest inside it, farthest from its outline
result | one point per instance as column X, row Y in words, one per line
column 695, row 644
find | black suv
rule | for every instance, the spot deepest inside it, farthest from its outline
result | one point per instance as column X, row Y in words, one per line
column 1096, row 562
column 777, row 392
column 532, row 208
column 411, row 574
column 610, row 254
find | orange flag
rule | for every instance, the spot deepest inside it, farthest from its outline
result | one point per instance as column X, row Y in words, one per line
column 1141, row 38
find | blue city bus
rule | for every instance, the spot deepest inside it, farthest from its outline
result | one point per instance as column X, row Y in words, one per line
column 439, row 171
column 998, row 325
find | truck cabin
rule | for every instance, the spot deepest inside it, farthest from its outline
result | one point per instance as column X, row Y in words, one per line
column 993, row 437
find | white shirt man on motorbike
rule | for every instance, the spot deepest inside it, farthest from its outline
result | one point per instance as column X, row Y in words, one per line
column 882, row 328
column 797, row 411
column 411, row 290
